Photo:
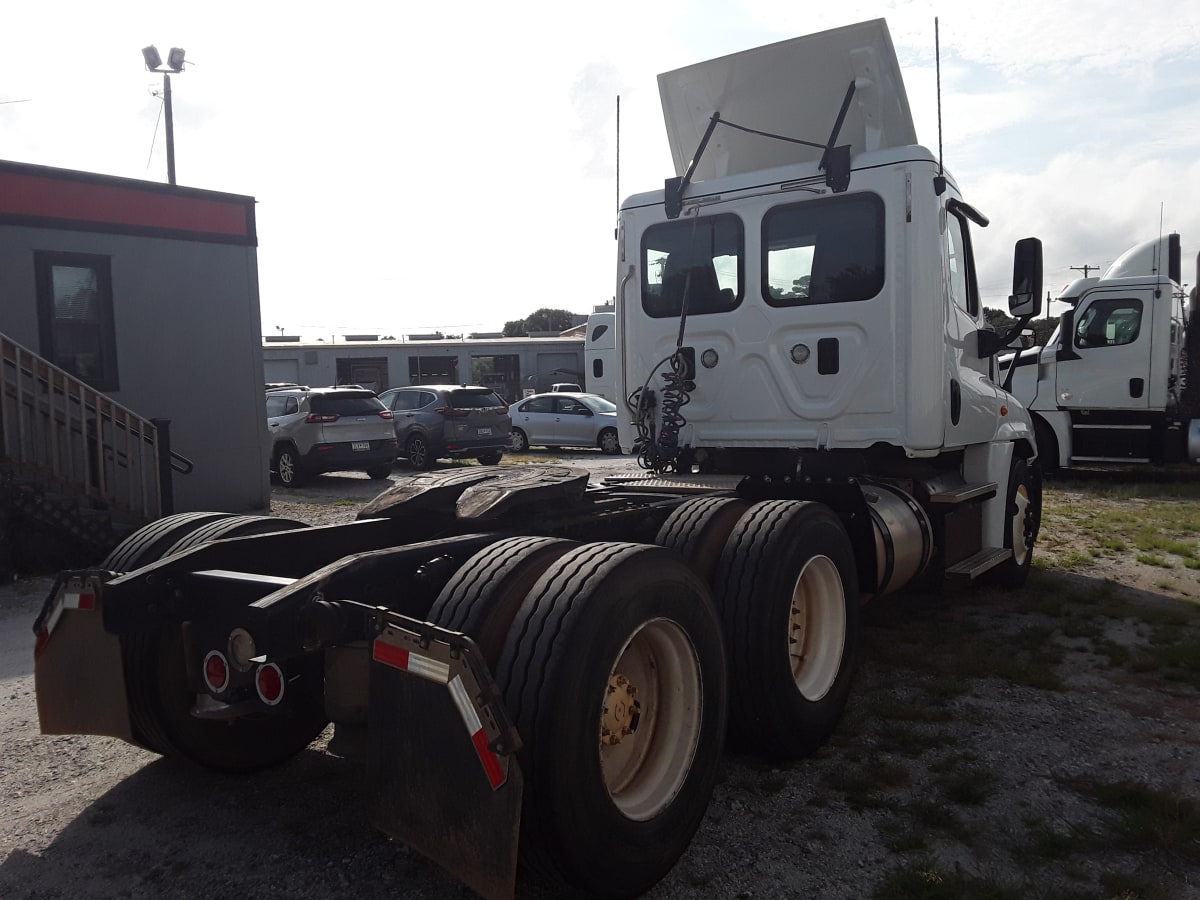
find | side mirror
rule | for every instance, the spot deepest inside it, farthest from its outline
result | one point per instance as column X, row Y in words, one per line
column 1026, row 299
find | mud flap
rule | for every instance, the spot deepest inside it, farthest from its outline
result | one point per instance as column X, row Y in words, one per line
column 79, row 678
column 442, row 774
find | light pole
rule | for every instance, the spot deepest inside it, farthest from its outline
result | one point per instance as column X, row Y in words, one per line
column 154, row 63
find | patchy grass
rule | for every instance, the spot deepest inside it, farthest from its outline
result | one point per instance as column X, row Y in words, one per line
column 1143, row 819
column 924, row 879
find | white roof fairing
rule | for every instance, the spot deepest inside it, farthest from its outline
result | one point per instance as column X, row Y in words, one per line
column 793, row 88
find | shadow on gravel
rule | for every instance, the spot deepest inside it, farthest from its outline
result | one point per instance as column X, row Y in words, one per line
column 299, row 830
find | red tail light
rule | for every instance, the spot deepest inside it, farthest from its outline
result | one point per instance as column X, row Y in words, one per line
column 385, row 414
column 216, row 671
column 451, row 413
column 269, row 682
column 317, row 418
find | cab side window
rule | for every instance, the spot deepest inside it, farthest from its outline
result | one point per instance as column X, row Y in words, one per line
column 1109, row 323
column 962, row 272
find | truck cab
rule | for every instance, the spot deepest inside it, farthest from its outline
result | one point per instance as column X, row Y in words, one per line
column 1108, row 386
column 809, row 301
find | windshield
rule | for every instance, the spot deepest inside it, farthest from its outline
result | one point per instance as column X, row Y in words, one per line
column 598, row 404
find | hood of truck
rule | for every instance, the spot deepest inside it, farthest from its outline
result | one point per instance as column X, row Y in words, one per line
column 793, row 88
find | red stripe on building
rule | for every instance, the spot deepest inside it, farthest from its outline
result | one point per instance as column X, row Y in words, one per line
column 491, row 765
column 60, row 199
column 390, row 654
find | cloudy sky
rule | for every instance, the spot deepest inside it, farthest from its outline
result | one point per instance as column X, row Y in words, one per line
column 453, row 166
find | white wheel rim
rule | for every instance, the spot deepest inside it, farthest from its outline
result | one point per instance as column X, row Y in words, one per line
column 817, row 627
column 1019, row 548
column 644, row 768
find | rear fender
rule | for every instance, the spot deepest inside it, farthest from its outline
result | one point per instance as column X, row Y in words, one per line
column 79, row 677
column 441, row 766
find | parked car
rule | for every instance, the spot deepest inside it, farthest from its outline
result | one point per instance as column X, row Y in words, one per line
column 329, row 429
column 561, row 419
column 435, row 421
column 566, row 386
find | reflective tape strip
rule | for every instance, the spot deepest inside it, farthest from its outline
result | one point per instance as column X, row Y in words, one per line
column 406, row 661
column 79, row 600
column 65, row 600
column 466, row 709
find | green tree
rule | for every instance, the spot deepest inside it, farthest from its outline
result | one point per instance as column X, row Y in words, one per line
column 544, row 319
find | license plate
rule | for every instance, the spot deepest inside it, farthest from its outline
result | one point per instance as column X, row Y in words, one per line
column 483, row 432
column 360, row 445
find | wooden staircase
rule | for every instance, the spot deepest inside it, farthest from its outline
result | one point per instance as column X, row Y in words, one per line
column 77, row 470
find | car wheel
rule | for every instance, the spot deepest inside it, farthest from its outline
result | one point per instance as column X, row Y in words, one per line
column 518, row 441
column 418, row 453
column 288, row 466
column 490, row 459
column 608, row 442
column 379, row 472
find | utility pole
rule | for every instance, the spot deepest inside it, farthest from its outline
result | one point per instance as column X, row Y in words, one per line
column 1084, row 269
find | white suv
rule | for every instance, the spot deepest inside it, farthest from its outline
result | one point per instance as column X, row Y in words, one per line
column 328, row 429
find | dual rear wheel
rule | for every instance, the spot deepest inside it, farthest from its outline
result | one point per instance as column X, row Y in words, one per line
column 611, row 663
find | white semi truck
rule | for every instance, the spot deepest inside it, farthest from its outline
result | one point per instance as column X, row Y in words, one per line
column 542, row 672
column 1112, row 383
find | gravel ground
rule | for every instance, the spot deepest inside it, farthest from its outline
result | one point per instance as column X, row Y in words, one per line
column 945, row 779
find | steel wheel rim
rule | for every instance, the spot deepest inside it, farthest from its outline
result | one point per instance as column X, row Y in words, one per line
column 644, row 768
column 817, row 627
column 1020, row 547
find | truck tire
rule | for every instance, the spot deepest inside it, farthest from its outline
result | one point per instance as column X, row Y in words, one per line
column 608, row 778
column 151, row 542
column 1047, row 446
column 161, row 699
column 1023, row 513
column 482, row 598
column 698, row 530
column 233, row 526
column 787, row 589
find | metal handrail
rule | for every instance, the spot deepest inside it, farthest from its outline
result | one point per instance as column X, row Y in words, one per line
column 54, row 423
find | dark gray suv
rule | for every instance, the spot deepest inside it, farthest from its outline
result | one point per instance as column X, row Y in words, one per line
column 435, row 421
column 329, row 429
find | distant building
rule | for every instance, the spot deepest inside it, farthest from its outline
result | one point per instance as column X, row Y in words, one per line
column 510, row 366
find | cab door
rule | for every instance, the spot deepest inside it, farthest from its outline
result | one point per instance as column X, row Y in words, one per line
column 1104, row 362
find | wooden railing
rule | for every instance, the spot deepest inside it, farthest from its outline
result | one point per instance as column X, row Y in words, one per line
column 78, row 439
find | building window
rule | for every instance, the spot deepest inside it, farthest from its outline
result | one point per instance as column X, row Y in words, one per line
column 75, row 316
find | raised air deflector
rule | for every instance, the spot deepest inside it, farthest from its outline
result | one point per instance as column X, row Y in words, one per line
column 794, row 88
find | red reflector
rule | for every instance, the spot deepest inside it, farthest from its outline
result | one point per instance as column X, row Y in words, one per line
column 216, row 671
column 269, row 682
column 320, row 448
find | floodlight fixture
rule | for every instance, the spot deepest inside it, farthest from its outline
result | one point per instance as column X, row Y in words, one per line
column 154, row 63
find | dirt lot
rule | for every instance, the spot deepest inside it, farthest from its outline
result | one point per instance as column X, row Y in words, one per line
column 1044, row 743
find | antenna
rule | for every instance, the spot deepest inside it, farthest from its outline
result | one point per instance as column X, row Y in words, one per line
column 618, row 154
column 939, row 183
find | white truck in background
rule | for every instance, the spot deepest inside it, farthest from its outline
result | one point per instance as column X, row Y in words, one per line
column 537, row 668
column 1112, row 383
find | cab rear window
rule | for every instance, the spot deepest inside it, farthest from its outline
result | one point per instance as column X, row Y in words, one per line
column 699, row 260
